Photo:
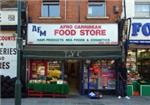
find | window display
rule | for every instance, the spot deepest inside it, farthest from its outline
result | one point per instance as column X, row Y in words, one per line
column 132, row 66
column 54, row 70
column 38, row 69
column 108, row 78
column 45, row 79
column 101, row 73
column 138, row 66
column 45, row 70
column 144, row 64
column 138, row 62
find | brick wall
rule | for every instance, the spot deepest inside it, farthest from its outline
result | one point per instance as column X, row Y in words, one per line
column 75, row 12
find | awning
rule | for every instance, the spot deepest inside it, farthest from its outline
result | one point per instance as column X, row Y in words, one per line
column 75, row 52
column 136, row 46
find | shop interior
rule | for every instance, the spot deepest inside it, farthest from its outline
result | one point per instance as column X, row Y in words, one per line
column 138, row 66
column 99, row 77
column 72, row 74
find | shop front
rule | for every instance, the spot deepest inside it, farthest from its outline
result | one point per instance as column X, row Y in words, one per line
column 8, row 51
column 71, row 58
column 138, row 59
column 8, row 63
column 8, row 55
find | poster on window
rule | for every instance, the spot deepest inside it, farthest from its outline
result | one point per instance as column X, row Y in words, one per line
column 73, row 34
column 8, row 54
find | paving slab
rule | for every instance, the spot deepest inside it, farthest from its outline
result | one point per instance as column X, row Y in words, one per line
column 81, row 100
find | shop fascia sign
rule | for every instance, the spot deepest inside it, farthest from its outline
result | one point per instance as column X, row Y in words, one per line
column 140, row 31
column 73, row 34
column 8, row 17
column 8, row 54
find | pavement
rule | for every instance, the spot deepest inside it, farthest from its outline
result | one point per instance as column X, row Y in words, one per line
column 80, row 100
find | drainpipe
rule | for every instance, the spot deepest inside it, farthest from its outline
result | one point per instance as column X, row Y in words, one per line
column 65, row 9
column 124, row 43
column 124, row 6
column 79, row 2
column 129, row 21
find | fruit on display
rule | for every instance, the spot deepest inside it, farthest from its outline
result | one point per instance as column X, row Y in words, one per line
column 54, row 70
column 95, row 69
column 54, row 73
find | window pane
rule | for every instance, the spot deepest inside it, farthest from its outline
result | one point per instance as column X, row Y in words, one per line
column 54, row 11
column 45, row 10
column 96, row 10
column 142, row 10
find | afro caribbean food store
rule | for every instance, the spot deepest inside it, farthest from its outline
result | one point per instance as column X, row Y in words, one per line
column 61, row 59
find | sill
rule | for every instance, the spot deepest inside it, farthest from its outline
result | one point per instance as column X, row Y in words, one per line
column 141, row 17
column 97, row 17
column 50, row 18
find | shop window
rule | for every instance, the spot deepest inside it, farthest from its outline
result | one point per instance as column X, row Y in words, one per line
column 54, row 70
column 96, row 8
column 50, row 8
column 138, row 65
column 45, row 70
column 142, row 9
column 131, row 66
column 99, row 74
column 38, row 69
column 45, row 79
column 144, row 64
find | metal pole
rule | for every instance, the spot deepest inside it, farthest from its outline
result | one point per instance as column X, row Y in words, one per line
column 125, row 14
column 19, row 44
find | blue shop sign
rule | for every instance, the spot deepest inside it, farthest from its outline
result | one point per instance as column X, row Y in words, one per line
column 140, row 31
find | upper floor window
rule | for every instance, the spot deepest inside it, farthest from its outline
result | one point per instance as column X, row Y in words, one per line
column 50, row 8
column 142, row 9
column 96, row 8
column 8, row 4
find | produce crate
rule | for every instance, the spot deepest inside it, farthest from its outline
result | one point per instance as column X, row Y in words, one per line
column 145, row 90
column 130, row 90
column 54, row 90
column 33, row 93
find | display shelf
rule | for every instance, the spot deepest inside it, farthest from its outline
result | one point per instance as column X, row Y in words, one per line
column 33, row 93
column 45, row 89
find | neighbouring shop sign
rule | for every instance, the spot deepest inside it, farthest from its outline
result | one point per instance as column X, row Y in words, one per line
column 8, row 17
column 73, row 34
column 140, row 31
column 8, row 54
